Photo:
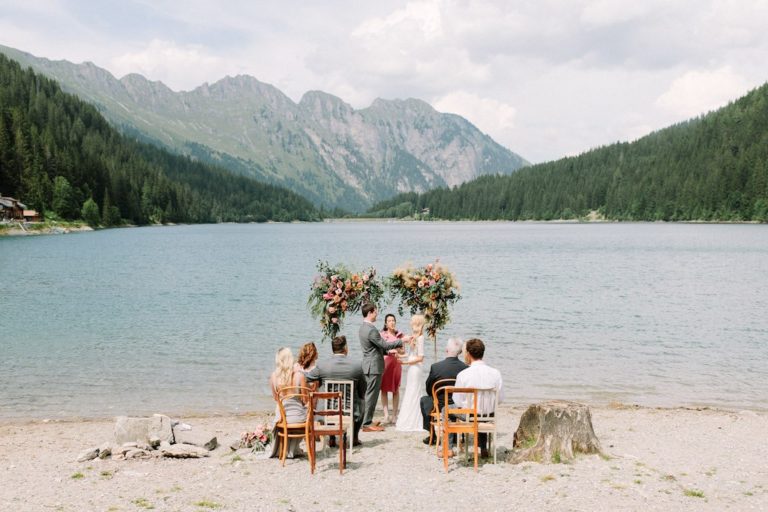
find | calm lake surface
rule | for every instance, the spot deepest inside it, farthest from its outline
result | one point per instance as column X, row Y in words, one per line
column 187, row 319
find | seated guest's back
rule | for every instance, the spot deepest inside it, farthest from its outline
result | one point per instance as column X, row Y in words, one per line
column 340, row 367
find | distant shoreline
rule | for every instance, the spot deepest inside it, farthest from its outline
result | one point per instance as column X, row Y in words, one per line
column 66, row 229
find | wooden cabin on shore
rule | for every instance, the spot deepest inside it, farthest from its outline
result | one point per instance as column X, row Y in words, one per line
column 11, row 209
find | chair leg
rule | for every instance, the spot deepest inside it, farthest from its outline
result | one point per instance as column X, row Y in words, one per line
column 284, row 447
column 310, row 450
column 445, row 452
column 476, row 450
column 342, row 458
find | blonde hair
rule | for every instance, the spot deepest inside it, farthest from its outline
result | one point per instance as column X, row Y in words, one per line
column 417, row 323
column 283, row 374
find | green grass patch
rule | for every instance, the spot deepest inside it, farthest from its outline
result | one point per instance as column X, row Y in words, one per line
column 207, row 504
column 77, row 476
column 547, row 478
column 107, row 474
column 143, row 503
column 236, row 458
column 693, row 493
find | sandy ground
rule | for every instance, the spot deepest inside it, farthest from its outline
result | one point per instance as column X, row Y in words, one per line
column 656, row 459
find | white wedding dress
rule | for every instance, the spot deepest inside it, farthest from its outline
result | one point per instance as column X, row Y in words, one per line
column 409, row 419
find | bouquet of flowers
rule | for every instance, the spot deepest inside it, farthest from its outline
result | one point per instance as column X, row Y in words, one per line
column 337, row 290
column 257, row 440
column 429, row 290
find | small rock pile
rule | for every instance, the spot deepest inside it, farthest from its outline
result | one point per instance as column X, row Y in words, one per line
column 155, row 436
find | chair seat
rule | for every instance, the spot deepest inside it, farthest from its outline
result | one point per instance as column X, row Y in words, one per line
column 328, row 429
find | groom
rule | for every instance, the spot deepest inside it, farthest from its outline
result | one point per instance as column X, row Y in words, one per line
column 374, row 349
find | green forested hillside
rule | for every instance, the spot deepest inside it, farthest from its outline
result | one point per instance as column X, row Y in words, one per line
column 57, row 152
column 714, row 167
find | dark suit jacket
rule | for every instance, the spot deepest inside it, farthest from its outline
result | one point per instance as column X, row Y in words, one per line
column 343, row 368
column 448, row 368
column 374, row 348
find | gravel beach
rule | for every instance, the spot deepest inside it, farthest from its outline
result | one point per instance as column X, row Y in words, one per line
column 655, row 459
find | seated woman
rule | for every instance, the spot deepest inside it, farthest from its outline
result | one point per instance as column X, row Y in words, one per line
column 284, row 375
column 306, row 361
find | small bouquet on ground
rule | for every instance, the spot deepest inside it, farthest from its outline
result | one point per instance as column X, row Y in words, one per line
column 258, row 440
column 336, row 291
column 429, row 290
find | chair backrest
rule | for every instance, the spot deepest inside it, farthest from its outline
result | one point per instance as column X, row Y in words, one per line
column 346, row 389
column 466, row 404
column 334, row 414
column 295, row 390
column 436, row 387
column 487, row 401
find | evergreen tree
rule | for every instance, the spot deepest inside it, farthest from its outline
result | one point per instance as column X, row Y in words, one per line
column 90, row 213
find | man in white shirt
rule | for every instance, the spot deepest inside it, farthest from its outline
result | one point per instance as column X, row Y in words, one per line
column 481, row 376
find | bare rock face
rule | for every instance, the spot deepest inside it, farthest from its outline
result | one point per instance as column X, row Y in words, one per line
column 554, row 431
column 141, row 430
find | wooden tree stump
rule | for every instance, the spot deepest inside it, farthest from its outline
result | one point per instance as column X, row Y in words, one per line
column 554, row 431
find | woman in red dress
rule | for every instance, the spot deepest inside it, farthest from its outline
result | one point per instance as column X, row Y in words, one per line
column 390, row 381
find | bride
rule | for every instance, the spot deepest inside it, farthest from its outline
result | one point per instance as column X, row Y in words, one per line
column 410, row 419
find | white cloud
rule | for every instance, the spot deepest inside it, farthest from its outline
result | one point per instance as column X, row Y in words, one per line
column 697, row 92
column 609, row 12
column 178, row 67
column 492, row 116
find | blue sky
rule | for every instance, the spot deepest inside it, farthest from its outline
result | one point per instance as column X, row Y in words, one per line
column 545, row 78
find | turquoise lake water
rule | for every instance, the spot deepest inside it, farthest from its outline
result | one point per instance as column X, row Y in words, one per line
column 187, row 319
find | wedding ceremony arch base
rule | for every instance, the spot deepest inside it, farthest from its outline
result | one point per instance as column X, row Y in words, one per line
column 554, row 431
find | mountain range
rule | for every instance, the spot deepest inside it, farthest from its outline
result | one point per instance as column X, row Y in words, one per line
column 320, row 147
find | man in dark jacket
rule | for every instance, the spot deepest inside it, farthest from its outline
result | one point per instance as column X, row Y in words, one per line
column 448, row 368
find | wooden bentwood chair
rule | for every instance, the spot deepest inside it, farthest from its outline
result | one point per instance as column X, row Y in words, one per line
column 486, row 415
column 286, row 431
column 434, row 416
column 329, row 407
column 347, row 390
column 465, row 421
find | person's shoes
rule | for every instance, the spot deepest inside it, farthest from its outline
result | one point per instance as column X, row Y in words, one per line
column 483, row 453
column 426, row 441
column 357, row 442
column 372, row 428
column 332, row 442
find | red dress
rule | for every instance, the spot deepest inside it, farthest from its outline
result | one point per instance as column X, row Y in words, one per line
column 393, row 370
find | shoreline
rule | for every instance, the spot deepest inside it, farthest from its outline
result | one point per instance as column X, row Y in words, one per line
column 258, row 413
column 60, row 230
column 653, row 459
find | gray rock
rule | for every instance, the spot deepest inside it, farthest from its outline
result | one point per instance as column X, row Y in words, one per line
column 105, row 450
column 89, row 454
column 154, row 442
column 184, row 451
column 201, row 439
column 141, row 430
column 137, row 453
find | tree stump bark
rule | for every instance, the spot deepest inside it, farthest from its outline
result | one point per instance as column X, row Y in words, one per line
column 554, row 431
